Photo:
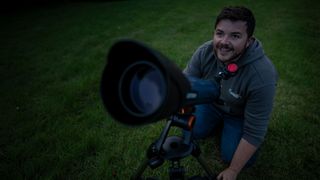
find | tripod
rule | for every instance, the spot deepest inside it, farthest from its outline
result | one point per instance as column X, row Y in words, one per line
column 174, row 148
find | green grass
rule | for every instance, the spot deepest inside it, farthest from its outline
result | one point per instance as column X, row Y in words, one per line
column 53, row 125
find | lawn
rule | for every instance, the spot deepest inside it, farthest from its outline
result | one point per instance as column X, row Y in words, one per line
column 53, row 123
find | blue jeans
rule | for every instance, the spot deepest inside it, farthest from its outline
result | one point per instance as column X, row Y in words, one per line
column 208, row 117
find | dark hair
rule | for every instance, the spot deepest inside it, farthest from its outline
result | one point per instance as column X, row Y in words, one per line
column 238, row 13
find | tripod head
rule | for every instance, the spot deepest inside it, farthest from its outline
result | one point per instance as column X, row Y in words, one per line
column 175, row 148
column 170, row 147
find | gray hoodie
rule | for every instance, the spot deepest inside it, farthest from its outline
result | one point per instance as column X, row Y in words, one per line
column 248, row 94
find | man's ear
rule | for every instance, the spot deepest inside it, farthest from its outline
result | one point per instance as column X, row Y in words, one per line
column 250, row 40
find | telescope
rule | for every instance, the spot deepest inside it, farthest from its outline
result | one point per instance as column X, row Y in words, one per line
column 139, row 85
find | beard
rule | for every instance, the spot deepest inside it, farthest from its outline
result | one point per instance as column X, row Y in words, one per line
column 226, row 53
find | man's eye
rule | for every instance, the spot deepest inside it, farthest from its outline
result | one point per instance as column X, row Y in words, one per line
column 219, row 34
column 235, row 36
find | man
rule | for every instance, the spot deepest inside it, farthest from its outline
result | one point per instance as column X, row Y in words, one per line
column 246, row 96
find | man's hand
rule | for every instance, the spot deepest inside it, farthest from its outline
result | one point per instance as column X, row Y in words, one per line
column 243, row 153
column 228, row 174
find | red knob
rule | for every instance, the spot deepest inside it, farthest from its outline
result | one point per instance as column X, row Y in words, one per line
column 232, row 68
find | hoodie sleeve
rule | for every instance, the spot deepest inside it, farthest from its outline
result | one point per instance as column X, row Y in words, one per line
column 193, row 67
column 198, row 63
column 257, row 114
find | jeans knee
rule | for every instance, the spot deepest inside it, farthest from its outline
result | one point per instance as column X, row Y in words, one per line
column 226, row 156
column 196, row 134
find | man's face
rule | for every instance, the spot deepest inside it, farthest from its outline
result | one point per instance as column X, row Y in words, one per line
column 230, row 40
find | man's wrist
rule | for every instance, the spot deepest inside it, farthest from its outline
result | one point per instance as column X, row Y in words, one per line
column 234, row 169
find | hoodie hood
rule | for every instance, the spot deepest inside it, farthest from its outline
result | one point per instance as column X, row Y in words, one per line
column 253, row 53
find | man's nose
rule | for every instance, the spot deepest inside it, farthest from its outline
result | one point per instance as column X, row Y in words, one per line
column 224, row 40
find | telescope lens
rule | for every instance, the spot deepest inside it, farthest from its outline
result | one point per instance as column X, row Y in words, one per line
column 146, row 86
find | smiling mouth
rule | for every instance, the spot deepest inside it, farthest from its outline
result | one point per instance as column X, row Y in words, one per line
column 225, row 50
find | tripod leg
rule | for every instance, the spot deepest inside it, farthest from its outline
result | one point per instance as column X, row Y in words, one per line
column 140, row 170
column 205, row 166
column 196, row 152
column 176, row 171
